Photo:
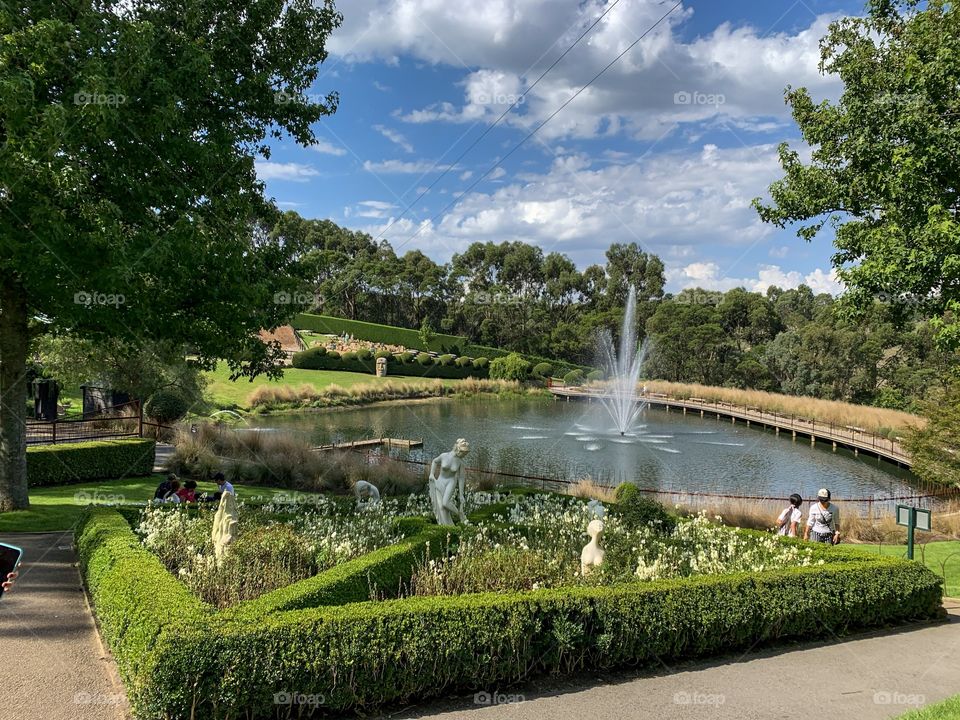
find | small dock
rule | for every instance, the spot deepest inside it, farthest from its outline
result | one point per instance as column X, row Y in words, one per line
column 853, row 438
column 401, row 443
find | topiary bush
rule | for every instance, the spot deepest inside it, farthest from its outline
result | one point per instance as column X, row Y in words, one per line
column 383, row 354
column 481, row 362
column 445, row 360
column 364, row 354
column 406, row 357
column 543, row 370
column 95, row 460
column 574, row 377
column 635, row 509
column 425, row 359
column 349, row 356
column 595, row 375
column 464, row 361
column 166, row 405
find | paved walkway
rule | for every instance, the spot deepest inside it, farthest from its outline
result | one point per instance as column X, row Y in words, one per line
column 879, row 675
column 54, row 667
column 52, row 664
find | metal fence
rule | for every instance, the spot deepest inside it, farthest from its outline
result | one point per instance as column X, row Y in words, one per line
column 119, row 421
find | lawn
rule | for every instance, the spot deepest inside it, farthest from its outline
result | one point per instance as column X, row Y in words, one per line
column 58, row 508
column 233, row 394
column 947, row 710
column 941, row 557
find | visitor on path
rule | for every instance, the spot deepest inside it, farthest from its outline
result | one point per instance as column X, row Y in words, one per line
column 8, row 583
column 788, row 523
column 188, row 493
column 164, row 488
column 823, row 525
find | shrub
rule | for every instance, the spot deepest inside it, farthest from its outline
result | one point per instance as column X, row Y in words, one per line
column 383, row 354
column 315, row 358
column 166, row 405
column 481, row 362
column 333, row 354
column 94, row 460
column 543, row 370
column 349, row 356
column 425, row 359
column 406, row 357
column 511, row 367
column 318, row 634
column 574, row 377
column 364, row 354
column 635, row 509
column 445, row 360
column 595, row 375
column 464, row 361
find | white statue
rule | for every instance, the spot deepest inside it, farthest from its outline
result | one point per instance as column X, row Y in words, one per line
column 448, row 473
column 366, row 491
column 225, row 524
column 597, row 508
column 592, row 555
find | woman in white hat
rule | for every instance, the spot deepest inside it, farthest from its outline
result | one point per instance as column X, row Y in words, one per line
column 823, row 524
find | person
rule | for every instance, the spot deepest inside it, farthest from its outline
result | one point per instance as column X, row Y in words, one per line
column 823, row 524
column 788, row 523
column 163, row 489
column 11, row 578
column 173, row 496
column 222, row 486
column 188, row 493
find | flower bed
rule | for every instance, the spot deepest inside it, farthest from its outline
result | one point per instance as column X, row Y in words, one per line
column 322, row 637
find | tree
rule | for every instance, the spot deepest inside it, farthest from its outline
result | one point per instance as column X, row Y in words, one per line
column 510, row 367
column 130, row 203
column 885, row 166
column 935, row 449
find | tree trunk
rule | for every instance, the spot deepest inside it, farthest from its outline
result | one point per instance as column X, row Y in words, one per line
column 14, row 339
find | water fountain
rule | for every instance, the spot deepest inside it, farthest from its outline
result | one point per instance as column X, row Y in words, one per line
column 623, row 369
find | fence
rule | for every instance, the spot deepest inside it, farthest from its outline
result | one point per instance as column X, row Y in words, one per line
column 118, row 421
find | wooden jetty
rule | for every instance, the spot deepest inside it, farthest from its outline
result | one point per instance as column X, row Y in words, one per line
column 856, row 439
column 373, row 442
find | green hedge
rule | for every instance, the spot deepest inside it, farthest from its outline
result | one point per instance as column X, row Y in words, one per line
column 68, row 463
column 179, row 659
column 320, row 359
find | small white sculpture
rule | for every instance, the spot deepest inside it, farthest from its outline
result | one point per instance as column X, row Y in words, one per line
column 366, row 491
column 447, row 474
column 597, row 508
column 225, row 524
column 592, row 555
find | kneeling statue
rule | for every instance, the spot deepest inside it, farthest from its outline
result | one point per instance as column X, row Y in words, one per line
column 447, row 474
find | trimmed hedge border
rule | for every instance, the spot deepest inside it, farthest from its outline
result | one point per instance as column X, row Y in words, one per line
column 359, row 655
column 69, row 463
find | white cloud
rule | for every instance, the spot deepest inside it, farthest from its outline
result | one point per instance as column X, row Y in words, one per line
column 400, row 167
column 466, row 174
column 710, row 276
column 395, row 137
column 735, row 73
column 496, row 173
column 293, row 172
column 327, row 148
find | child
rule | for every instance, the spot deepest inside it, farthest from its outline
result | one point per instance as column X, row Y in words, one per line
column 788, row 523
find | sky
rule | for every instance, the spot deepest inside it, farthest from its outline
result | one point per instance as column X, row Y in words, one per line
column 666, row 149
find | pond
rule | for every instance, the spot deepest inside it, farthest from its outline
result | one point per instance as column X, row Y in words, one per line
column 666, row 451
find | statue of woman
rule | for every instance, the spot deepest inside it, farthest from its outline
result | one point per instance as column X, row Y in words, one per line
column 448, row 473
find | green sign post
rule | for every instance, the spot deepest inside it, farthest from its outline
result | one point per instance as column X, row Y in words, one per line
column 913, row 519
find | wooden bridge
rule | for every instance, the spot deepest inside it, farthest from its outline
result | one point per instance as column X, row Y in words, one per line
column 373, row 442
column 856, row 439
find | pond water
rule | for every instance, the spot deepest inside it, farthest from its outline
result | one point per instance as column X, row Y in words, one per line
column 666, row 451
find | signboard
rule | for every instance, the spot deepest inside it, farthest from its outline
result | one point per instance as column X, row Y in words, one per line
column 913, row 519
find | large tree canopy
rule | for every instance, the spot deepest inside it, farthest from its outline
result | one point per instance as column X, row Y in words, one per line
column 129, row 202
column 885, row 165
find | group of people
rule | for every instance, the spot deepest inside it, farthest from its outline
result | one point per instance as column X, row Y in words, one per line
column 823, row 520
column 172, row 490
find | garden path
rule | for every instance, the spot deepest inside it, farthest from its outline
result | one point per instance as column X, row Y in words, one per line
column 52, row 663
column 876, row 675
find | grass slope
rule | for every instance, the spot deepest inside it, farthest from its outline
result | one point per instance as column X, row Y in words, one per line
column 947, row 710
column 941, row 557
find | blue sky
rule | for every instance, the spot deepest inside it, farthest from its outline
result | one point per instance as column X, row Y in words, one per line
column 667, row 149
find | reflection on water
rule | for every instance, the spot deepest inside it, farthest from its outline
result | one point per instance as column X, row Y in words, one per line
column 662, row 450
